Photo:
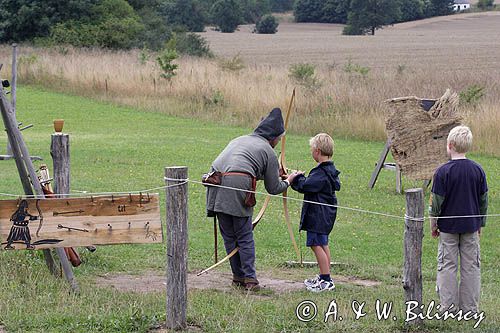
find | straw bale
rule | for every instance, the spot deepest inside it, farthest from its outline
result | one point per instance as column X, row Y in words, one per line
column 418, row 137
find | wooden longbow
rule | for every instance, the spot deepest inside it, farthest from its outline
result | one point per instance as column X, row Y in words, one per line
column 284, row 170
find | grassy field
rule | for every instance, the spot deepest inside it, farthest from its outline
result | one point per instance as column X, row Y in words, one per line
column 354, row 75
column 121, row 149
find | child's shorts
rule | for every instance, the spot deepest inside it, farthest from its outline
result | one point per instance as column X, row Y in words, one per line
column 315, row 239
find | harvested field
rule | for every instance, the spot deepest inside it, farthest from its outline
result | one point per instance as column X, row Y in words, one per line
column 461, row 42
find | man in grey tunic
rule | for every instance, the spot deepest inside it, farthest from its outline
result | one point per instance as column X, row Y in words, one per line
column 246, row 157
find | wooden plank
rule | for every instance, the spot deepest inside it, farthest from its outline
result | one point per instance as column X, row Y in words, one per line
column 84, row 221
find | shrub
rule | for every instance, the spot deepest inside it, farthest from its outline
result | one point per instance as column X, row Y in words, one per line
column 267, row 24
column 304, row 74
column 115, row 26
column 351, row 67
column 352, row 30
column 234, row 64
column 472, row 94
column 165, row 59
column 193, row 45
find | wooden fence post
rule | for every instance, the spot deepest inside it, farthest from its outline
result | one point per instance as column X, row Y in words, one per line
column 59, row 150
column 414, row 232
column 177, row 250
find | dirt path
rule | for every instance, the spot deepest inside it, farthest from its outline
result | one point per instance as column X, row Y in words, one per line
column 154, row 282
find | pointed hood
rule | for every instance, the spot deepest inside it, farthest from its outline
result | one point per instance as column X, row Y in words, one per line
column 272, row 126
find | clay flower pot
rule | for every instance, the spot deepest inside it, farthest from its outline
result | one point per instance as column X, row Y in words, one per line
column 58, row 125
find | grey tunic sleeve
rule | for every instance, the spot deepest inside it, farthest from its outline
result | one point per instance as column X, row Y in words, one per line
column 272, row 181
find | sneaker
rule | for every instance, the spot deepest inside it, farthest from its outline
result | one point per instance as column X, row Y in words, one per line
column 312, row 281
column 322, row 285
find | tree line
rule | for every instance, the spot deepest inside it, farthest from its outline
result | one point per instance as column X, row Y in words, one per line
column 122, row 24
column 365, row 16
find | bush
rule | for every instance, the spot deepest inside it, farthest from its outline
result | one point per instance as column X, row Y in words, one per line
column 115, row 26
column 351, row 67
column 268, row 24
column 304, row 74
column 165, row 59
column 193, row 45
column 472, row 94
column 234, row 64
column 226, row 14
column 352, row 30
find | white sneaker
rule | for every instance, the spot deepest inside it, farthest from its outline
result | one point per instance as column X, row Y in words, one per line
column 322, row 285
column 312, row 281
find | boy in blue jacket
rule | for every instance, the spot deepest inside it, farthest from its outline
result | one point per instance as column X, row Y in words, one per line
column 317, row 219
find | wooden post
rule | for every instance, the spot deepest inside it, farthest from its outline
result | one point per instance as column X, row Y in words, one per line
column 13, row 89
column 177, row 236
column 59, row 150
column 399, row 183
column 414, row 232
column 13, row 83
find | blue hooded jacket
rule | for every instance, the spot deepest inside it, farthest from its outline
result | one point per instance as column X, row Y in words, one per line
column 319, row 186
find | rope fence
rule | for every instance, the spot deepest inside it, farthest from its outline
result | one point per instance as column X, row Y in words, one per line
column 187, row 180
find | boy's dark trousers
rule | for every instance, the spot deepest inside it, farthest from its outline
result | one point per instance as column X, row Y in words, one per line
column 237, row 232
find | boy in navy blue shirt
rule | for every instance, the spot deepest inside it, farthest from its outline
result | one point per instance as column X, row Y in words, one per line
column 459, row 189
column 318, row 220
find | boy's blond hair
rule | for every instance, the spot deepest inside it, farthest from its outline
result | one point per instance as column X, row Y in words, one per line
column 324, row 143
column 460, row 138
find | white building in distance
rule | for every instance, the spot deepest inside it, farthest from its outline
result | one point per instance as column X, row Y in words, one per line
column 460, row 5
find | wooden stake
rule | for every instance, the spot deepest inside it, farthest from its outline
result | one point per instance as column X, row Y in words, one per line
column 177, row 236
column 59, row 150
column 414, row 232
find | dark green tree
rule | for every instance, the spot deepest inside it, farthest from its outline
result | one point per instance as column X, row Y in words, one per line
column 366, row 16
column 112, row 24
column 485, row 4
column 226, row 14
column 308, row 10
column 281, row 5
column 442, row 7
column 335, row 11
column 183, row 14
column 412, row 10
column 252, row 10
column 156, row 31
column 22, row 20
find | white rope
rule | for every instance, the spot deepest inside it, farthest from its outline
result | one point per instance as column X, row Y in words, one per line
column 85, row 193
column 187, row 180
column 330, row 205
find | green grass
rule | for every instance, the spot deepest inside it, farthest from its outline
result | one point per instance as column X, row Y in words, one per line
column 121, row 149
